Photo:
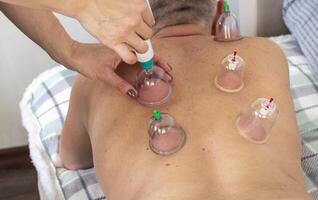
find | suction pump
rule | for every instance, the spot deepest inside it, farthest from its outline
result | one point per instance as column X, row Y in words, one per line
column 152, row 82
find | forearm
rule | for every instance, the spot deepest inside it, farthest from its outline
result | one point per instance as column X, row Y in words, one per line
column 43, row 28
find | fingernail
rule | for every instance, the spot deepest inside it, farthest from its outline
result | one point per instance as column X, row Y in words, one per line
column 132, row 94
column 171, row 77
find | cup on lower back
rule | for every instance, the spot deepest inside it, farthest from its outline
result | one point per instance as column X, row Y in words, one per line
column 255, row 124
column 153, row 87
column 165, row 136
column 230, row 78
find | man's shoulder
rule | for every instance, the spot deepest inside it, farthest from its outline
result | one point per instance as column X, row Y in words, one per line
column 81, row 88
column 253, row 45
column 265, row 48
column 255, row 48
column 261, row 55
column 261, row 41
column 81, row 82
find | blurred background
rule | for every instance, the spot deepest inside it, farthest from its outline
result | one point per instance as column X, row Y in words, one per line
column 21, row 60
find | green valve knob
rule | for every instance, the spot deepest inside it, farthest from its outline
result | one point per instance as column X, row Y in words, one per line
column 226, row 7
column 156, row 115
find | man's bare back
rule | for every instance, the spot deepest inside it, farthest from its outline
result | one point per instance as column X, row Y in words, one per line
column 110, row 131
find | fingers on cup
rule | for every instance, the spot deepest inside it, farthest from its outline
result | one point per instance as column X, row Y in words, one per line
column 123, row 86
column 153, row 88
column 163, row 75
column 160, row 62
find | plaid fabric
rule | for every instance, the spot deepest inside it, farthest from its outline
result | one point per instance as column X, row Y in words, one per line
column 301, row 17
column 49, row 103
column 304, row 89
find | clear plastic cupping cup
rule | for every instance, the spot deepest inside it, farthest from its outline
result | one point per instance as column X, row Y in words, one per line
column 231, row 76
column 255, row 124
column 166, row 136
column 152, row 82
column 153, row 87
column 227, row 28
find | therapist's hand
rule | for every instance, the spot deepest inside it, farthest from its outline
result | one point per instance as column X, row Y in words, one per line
column 122, row 25
column 97, row 62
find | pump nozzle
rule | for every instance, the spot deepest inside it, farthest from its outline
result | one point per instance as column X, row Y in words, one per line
column 146, row 59
column 226, row 7
column 267, row 107
column 269, row 103
column 156, row 115
column 234, row 56
column 148, row 4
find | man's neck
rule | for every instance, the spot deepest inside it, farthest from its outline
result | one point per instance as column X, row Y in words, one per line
column 181, row 31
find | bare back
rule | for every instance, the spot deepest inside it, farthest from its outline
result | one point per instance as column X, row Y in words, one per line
column 216, row 162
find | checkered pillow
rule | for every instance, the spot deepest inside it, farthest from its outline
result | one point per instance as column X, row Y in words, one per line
column 48, row 101
column 304, row 89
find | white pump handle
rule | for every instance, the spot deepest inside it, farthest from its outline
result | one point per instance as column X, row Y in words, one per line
column 149, row 7
column 145, row 57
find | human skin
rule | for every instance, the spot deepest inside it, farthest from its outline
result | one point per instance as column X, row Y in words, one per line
column 95, row 61
column 251, row 128
column 229, row 81
column 120, row 25
column 38, row 26
column 109, row 131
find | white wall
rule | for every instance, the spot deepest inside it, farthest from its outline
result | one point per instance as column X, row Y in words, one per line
column 20, row 62
column 260, row 17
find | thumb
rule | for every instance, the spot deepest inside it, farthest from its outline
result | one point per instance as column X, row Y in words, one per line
column 123, row 86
